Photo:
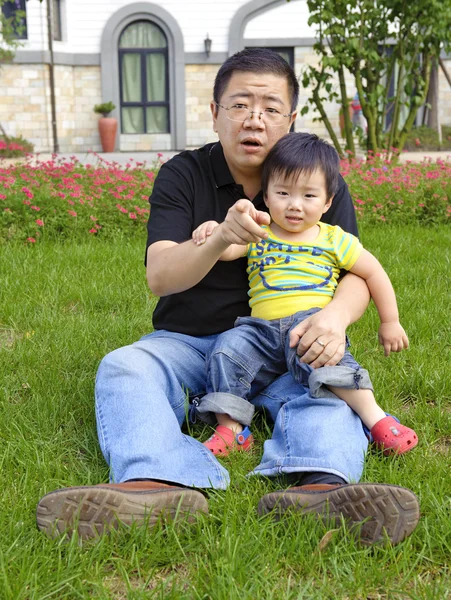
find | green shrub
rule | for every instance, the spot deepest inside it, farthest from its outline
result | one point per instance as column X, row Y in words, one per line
column 425, row 138
column 14, row 147
column 104, row 109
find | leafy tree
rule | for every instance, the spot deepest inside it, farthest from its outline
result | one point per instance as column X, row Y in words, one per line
column 388, row 46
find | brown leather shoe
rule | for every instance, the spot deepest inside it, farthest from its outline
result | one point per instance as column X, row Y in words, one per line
column 376, row 511
column 92, row 509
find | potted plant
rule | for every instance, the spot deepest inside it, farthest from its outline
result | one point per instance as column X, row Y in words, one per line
column 107, row 126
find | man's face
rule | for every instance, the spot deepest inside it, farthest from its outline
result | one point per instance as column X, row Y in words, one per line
column 246, row 144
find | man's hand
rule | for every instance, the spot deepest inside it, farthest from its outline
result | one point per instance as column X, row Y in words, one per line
column 320, row 339
column 392, row 337
column 242, row 224
column 202, row 232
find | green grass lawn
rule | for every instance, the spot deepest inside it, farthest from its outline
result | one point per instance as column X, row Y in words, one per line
column 64, row 306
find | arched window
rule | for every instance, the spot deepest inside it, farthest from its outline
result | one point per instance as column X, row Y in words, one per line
column 144, row 82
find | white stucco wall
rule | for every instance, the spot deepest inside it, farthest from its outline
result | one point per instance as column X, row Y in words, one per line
column 84, row 21
column 289, row 20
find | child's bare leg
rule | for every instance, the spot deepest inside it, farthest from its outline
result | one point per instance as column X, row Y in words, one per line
column 362, row 402
column 385, row 430
column 227, row 421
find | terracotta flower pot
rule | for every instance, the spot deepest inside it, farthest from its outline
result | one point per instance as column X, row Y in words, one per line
column 107, row 131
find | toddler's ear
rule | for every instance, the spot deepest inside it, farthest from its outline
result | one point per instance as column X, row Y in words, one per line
column 328, row 205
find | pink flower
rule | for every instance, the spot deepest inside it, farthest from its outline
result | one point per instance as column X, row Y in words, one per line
column 39, row 222
column 31, row 240
column 72, row 213
column 93, row 218
column 27, row 202
column 35, row 208
column 93, row 230
column 132, row 215
column 8, row 210
column 2, row 197
column 27, row 192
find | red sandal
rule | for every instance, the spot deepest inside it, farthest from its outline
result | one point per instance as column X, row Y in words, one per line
column 224, row 441
column 393, row 437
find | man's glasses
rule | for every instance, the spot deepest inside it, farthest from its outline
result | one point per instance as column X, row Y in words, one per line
column 270, row 116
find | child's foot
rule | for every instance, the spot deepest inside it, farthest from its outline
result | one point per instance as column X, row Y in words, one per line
column 393, row 437
column 224, row 441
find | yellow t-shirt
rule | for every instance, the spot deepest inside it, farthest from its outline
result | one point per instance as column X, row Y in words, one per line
column 286, row 277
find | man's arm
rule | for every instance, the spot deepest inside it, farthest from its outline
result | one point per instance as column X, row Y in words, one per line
column 329, row 325
column 173, row 268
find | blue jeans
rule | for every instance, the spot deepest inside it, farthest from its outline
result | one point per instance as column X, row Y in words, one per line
column 247, row 358
column 142, row 394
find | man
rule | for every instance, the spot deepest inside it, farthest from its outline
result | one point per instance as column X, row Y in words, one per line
column 141, row 390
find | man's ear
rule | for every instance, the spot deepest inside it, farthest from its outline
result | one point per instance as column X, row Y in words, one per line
column 293, row 118
column 214, row 113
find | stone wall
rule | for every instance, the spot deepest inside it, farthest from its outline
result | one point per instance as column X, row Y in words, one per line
column 25, row 108
column 77, row 91
column 445, row 95
column 199, row 80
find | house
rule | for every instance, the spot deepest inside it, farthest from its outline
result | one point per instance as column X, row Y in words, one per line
column 155, row 60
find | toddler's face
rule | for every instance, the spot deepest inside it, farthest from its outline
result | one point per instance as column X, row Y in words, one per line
column 296, row 204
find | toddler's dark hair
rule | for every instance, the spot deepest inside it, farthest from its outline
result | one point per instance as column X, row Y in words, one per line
column 302, row 153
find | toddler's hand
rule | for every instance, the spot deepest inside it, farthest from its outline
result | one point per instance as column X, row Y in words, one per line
column 202, row 232
column 392, row 337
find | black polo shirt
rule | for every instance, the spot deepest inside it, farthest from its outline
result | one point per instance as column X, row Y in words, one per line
column 194, row 187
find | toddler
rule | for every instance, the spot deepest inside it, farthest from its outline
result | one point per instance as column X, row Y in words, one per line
column 292, row 274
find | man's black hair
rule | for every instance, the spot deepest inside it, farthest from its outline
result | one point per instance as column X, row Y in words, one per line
column 300, row 154
column 256, row 60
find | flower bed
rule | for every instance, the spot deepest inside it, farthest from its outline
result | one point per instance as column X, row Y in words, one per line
column 13, row 147
column 64, row 199
column 408, row 193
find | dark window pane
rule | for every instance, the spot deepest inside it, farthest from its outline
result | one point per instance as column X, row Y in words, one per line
column 132, row 120
column 157, row 119
column 9, row 10
column 156, row 77
column 142, row 35
column 56, row 20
